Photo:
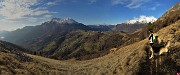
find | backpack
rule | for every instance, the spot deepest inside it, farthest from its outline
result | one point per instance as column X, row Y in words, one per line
column 155, row 39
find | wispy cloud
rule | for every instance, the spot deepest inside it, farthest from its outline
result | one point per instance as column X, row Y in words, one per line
column 92, row 1
column 129, row 3
column 29, row 19
column 154, row 7
column 52, row 3
column 116, row 2
column 47, row 16
column 41, row 12
column 22, row 10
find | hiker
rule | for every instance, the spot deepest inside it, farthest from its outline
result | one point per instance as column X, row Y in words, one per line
column 151, row 37
column 155, row 44
column 151, row 42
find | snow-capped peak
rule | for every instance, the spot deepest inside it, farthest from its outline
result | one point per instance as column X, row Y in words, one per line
column 142, row 19
column 66, row 20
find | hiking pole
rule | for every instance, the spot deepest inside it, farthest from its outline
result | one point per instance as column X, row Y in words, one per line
column 156, row 66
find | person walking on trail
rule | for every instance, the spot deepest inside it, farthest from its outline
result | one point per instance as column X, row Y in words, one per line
column 151, row 42
column 151, row 38
column 154, row 43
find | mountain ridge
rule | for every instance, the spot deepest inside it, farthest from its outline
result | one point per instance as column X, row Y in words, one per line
column 44, row 31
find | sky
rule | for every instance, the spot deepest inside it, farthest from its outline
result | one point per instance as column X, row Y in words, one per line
column 19, row 13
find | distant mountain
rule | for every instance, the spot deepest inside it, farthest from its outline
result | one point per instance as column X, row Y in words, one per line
column 102, row 27
column 129, row 27
column 36, row 37
column 119, row 27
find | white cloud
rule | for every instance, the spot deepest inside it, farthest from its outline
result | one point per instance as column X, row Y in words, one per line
column 129, row 3
column 22, row 10
column 40, row 12
column 16, row 8
column 142, row 19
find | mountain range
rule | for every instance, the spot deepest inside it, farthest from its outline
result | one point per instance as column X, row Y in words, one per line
column 67, row 38
column 128, row 28
column 43, row 33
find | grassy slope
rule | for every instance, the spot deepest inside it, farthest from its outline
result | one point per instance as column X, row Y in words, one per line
column 85, row 45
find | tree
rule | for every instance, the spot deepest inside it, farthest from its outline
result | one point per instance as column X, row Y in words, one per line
column 150, row 26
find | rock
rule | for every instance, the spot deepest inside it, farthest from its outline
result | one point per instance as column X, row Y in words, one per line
column 172, row 31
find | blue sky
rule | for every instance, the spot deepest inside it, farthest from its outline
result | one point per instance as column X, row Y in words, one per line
column 18, row 13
